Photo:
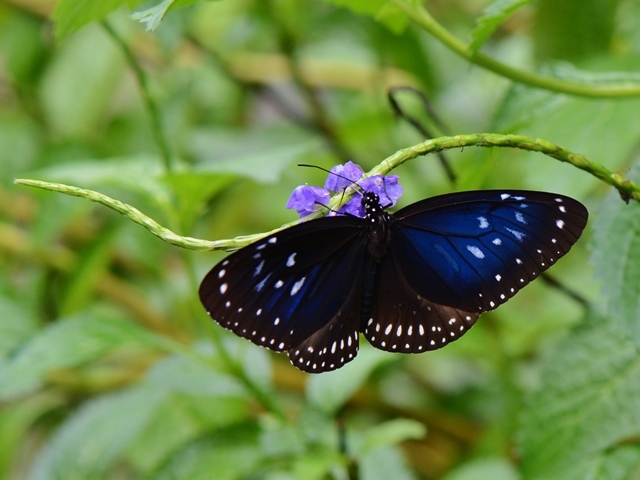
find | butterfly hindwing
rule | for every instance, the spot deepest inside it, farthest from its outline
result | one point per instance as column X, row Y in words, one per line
column 294, row 290
column 401, row 320
column 474, row 250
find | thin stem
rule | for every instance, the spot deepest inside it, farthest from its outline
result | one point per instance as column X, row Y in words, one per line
column 628, row 189
column 152, row 107
column 421, row 17
column 420, row 127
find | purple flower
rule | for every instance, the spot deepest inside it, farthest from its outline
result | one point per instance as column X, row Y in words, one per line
column 305, row 199
column 342, row 176
column 387, row 188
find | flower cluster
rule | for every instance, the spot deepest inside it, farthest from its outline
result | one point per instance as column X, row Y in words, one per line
column 306, row 199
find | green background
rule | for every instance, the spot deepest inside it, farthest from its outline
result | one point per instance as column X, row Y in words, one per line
column 196, row 113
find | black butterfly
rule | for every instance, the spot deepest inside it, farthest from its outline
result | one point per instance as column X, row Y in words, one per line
column 410, row 281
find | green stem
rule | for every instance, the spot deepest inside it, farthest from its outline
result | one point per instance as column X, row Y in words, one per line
column 628, row 189
column 152, row 107
column 421, row 17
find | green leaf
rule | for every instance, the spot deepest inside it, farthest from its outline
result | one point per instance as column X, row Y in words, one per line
column 93, row 439
column 182, row 375
column 187, row 418
column 361, row 7
column 141, row 175
column 552, row 116
column 70, row 15
column 587, row 406
column 493, row 16
column 193, row 190
column 17, row 324
column 574, row 29
column 331, row 390
column 79, row 82
column 615, row 247
column 382, row 10
column 623, row 462
column 493, row 468
column 390, row 433
column 15, row 422
column 385, row 463
column 152, row 16
column 65, row 344
column 231, row 453
column 261, row 155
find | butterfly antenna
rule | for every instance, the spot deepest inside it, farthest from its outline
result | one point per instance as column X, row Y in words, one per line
column 356, row 187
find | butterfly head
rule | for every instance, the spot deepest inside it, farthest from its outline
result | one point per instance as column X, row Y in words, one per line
column 307, row 199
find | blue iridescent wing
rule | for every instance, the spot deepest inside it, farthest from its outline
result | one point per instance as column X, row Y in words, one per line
column 298, row 290
column 455, row 256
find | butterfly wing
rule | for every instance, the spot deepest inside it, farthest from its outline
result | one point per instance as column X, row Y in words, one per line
column 298, row 290
column 404, row 321
column 474, row 250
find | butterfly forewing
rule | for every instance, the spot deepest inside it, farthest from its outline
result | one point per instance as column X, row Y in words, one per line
column 475, row 250
column 293, row 286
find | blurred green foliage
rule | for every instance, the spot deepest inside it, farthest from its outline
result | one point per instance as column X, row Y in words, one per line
column 109, row 367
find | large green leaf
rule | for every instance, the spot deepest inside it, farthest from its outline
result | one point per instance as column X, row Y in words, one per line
column 15, row 423
column 70, row 15
column 65, row 344
column 608, row 137
column 199, row 400
column 615, row 246
column 89, row 443
column 261, row 154
column 231, row 453
column 78, row 84
column 17, row 323
column 587, row 405
column 574, row 29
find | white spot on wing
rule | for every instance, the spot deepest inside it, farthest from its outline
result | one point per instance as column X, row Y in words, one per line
column 291, row 261
column 484, row 223
column 476, row 252
column 297, row 286
column 519, row 235
column 223, row 288
column 258, row 269
column 560, row 224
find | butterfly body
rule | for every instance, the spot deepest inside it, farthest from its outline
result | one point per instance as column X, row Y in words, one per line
column 410, row 282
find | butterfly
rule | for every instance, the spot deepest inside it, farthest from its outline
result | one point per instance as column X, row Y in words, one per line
column 410, row 281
